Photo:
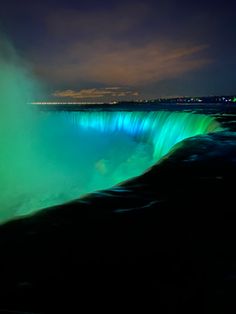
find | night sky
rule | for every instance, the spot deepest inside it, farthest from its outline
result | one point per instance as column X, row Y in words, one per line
column 107, row 50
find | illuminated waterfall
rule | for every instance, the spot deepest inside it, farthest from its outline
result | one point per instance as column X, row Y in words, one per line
column 48, row 158
column 161, row 129
column 68, row 154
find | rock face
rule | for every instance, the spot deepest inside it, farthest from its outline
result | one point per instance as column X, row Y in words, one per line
column 165, row 239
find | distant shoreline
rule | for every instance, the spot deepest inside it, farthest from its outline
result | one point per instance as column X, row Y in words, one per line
column 127, row 106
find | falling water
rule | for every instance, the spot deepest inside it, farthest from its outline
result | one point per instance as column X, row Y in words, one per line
column 48, row 158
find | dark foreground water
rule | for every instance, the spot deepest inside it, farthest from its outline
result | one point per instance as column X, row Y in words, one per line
column 163, row 241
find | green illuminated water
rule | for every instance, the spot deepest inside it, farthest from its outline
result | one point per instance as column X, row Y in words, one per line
column 67, row 154
column 48, row 158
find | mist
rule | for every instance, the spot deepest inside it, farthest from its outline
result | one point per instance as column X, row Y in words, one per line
column 49, row 158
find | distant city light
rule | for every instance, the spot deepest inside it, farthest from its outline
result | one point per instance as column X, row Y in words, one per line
column 207, row 99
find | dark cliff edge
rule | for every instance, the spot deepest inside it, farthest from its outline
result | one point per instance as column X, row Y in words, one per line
column 164, row 240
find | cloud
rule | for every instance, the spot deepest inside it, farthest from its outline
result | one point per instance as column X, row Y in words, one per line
column 109, row 62
column 105, row 47
column 98, row 23
column 95, row 93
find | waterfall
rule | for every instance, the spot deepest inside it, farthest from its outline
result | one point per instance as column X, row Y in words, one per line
column 161, row 129
column 51, row 157
column 48, row 158
column 64, row 155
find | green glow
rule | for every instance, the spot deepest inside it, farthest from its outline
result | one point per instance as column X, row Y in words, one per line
column 48, row 158
column 66, row 155
column 160, row 129
column 234, row 100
